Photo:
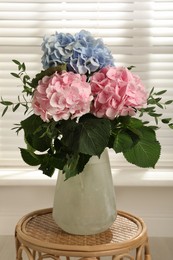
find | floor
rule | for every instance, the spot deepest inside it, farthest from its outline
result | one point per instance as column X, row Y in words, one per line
column 161, row 248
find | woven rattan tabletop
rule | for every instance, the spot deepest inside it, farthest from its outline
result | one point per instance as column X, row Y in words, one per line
column 39, row 229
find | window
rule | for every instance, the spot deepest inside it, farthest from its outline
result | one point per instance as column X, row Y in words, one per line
column 138, row 33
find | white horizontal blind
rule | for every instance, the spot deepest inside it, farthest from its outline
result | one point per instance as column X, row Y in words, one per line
column 138, row 33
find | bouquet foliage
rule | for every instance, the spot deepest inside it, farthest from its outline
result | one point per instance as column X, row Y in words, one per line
column 81, row 103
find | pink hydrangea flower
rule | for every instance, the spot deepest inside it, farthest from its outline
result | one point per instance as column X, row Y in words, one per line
column 117, row 92
column 62, row 96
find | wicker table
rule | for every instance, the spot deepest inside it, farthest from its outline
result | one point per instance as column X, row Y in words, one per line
column 40, row 238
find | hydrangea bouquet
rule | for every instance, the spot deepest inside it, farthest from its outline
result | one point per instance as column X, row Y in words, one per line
column 81, row 103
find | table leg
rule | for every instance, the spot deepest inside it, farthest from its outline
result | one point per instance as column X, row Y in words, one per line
column 147, row 251
column 143, row 250
column 17, row 245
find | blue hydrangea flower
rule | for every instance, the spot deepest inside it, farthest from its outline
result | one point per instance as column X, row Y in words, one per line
column 81, row 53
column 89, row 54
column 57, row 48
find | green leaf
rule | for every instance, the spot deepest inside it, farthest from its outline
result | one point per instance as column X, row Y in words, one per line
column 134, row 123
column 43, row 160
column 130, row 67
column 4, row 111
column 171, row 125
column 70, row 131
column 16, row 62
column 123, row 142
column 16, row 107
column 29, row 157
column 152, row 90
column 168, row 102
column 17, row 127
column 159, row 105
column 15, row 75
column 160, row 92
column 158, row 100
column 83, row 159
column 153, row 127
column 58, row 160
column 155, row 114
column 75, row 164
column 123, row 120
column 166, row 120
column 47, row 169
column 35, row 133
column 6, row 103
column 46, row 165
column 23, row 67
column 94, row 136
column 148, row 109
column 146, row 122
column 152, row 101
column 89, row 136
column 70, row 168
column 28, row 90
column 25, row 79
column 146, row 152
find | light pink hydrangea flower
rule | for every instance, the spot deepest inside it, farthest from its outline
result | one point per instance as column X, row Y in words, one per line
column 62, row 96
column 117, row 92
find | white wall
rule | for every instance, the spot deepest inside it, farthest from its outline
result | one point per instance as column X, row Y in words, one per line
column 148, row 195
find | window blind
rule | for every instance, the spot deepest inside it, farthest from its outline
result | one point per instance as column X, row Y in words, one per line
column 138, row 33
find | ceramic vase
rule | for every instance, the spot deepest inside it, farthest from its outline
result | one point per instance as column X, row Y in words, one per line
column 85, row 204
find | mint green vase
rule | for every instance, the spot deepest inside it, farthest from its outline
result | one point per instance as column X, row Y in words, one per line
column 85, row 204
